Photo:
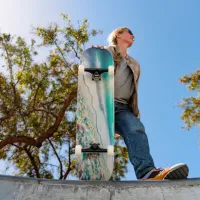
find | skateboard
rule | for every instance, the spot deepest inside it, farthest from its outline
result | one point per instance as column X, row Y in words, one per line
column 95, row 115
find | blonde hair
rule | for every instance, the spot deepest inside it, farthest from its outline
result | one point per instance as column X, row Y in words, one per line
column 112, row 38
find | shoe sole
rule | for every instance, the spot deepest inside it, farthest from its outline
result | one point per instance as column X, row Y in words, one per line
column 179, row 171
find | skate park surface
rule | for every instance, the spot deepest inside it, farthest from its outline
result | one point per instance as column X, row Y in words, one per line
column 21, row 188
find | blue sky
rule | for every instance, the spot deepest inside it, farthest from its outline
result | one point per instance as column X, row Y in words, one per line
column 167, row 46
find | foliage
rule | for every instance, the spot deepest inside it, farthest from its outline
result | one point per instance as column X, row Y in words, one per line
column 191, row 105
column 36, row 100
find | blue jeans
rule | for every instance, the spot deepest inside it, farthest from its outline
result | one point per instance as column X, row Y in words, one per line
column 133, row 132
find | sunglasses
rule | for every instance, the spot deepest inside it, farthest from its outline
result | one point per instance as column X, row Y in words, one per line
column 130, row 32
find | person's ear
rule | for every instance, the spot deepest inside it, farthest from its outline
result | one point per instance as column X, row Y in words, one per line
column 117, row 35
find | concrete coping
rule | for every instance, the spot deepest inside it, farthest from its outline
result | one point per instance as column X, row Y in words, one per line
column 136, row 183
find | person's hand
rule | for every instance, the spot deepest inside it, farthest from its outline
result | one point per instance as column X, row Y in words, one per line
column 97, row 46
column 117, row 136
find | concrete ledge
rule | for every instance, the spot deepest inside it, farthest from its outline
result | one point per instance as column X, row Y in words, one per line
column 19, row 188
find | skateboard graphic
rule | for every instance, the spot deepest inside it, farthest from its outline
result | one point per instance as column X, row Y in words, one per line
column 95, row 115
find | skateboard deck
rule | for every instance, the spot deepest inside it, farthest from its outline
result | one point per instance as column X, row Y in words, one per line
column 95, row 115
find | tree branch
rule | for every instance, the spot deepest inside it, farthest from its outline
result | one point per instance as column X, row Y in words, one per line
column 31, row 158
column 18, row 139
column 50, row 165
column 33, row 163
column 65, row 60
column 8, row 116
column 46, row 111
column 34, row 99
column 49, row 133
column 69, row 161
column 54, row 150
column 51, row 130
column 76, row 53
column 11, row 72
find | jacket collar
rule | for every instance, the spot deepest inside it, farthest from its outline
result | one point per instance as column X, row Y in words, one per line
column 127, row 58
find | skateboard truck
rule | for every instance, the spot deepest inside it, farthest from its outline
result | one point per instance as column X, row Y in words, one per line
column 94, row 148
column 96, row 72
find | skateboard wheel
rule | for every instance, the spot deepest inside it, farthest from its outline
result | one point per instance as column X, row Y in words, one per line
column 110, row 70
column 110, row 150
column 81, row 69
column 78, row 150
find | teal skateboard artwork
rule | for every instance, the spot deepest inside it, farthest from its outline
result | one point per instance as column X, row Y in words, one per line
column 95, row 115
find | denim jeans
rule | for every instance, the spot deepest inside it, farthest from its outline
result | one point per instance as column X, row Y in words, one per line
column 135, row 138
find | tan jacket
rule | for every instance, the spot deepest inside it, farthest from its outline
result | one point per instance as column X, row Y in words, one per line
column 135, row 67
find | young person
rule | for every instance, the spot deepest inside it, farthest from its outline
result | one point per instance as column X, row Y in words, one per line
column 127, row 116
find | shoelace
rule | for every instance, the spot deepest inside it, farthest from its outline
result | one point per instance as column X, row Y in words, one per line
column 162, row 170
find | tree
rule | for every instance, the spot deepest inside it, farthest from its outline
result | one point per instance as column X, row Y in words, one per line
column 120, row 160
column 191, row 105
column 36, row 99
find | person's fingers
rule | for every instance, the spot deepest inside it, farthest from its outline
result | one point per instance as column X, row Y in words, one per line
column 117, row 136
column 97, row 46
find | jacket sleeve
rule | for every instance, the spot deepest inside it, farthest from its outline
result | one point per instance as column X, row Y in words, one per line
column 137, row 84
column 137, row 81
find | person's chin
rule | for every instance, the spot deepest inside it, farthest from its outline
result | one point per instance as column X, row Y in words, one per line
column 130, row 44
